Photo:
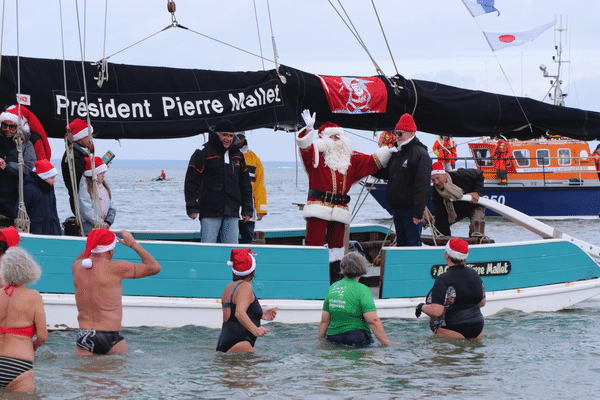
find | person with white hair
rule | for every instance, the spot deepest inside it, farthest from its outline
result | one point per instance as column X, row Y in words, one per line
column 23, row 317
column 454, row 303
column 349, row 313
column 332, row 167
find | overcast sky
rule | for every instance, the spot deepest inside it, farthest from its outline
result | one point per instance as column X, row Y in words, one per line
column 436, row 40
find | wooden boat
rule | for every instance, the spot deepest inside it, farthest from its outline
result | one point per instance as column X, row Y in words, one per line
column 540, row 275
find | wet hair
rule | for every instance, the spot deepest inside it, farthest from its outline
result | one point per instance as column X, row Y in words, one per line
column 457, row 262
column 19, row 268
column 238, row 277
column 354, row 265
column 3, row 247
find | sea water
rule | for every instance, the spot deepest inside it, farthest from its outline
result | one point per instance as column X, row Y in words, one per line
column 552, row 355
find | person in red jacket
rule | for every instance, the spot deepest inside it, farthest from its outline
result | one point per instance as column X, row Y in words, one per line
column 502, row 160
column 445, row 150
column 332, row 167
column 596, row 157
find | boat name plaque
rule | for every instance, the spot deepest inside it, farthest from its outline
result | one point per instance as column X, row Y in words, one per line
column 485, row 268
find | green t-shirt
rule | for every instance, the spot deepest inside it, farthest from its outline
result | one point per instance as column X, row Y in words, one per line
column 347, row 300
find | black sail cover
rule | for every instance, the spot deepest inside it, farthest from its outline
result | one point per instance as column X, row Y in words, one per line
column 140, row 102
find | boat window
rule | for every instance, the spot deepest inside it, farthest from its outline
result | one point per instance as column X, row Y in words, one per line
column 543, row 157
column 564, row 156
column 482, row 158
column 522, row 157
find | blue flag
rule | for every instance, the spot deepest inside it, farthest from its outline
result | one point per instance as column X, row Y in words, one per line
column 480, row 7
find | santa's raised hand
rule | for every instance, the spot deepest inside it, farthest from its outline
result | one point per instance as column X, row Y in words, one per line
column 309, row 120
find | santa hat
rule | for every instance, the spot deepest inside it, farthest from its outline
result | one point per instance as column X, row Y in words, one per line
column 30, row 123
column 45, row 169
column 10, row 235
column 437, row 168
column 99, row 164
column 457, row 249
column 329, row 129
column 79, row 129
column 406, row 123
column 242, row 262
column 98, row 241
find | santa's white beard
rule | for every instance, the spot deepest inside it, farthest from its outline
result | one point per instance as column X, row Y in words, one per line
column 337, row 154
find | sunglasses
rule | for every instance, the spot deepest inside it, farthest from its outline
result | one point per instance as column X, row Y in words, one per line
column 9, row 127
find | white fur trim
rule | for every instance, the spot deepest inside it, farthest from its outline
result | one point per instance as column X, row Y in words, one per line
column 327, row 213
column 333, row 131
column 99, row 169
column 102, row 249
column 321, row 145
column 305, row 141
column 48, row 174
column 438, row 172
column 7, row 116
column 336, row 254
column 83, row 133
column 455, row 254
column 383, row 155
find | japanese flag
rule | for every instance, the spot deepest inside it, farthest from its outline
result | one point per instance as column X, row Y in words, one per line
column 499, row 41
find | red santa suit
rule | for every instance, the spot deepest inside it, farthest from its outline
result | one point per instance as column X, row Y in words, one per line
column 329, row 179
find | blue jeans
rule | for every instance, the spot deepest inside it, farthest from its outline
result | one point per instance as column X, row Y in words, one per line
column 225, row 228
column 407, row 233
column 246, row 231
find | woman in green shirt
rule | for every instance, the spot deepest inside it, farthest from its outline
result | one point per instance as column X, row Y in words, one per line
column 349, row 313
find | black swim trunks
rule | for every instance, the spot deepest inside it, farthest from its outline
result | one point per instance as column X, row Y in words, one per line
column 98, row 342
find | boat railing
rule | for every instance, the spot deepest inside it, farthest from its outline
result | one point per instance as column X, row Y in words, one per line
column 573, row 165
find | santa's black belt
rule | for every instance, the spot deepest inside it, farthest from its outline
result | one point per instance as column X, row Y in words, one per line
column 329, row 197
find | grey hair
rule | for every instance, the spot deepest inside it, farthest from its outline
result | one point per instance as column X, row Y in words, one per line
column 354, row 265
column 19, row 268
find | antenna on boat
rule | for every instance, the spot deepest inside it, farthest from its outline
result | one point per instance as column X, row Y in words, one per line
column 556, row 82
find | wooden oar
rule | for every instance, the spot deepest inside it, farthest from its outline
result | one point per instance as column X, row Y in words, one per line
column 536, row 226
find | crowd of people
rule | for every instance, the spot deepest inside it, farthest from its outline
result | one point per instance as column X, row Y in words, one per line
column 224, row 189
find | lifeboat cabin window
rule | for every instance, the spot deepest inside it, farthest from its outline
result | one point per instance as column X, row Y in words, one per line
column 543, row 157
column 522, row 157
column 564, row 156
column 482, row 158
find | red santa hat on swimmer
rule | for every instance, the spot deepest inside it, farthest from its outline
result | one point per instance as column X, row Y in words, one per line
column 242, row 262
column 79, row 129
column 10, row 235
column 457, row 248
column 437, row 168
column 99, row 164
column 98, row 241
column 406, row 123
column 45, row 169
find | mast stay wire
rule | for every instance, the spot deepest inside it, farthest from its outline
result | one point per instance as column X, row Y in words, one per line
column 354, row 32
column 68, row 136
column 385, row 37
column 258, row 33
column 98, row 222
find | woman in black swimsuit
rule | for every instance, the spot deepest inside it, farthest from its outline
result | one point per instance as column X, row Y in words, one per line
column 241, row 310
column 454, row 303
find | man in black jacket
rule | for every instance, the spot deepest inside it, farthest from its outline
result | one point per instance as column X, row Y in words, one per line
column 217, row 184
column 408, row 174
column 453, row 184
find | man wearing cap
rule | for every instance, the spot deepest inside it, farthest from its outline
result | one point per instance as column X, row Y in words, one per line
column 9, row 159
column 450, row 186
column 81, row 149
column 217, row 185
column 408, row 175
column 99, row 288
column 259, row 192
column 40, row 200
column 332, row 167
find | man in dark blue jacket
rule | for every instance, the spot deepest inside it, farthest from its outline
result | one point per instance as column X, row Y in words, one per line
column 217, row 185
column 409, row 175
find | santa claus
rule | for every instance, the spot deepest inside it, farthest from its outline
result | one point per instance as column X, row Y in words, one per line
column 332, row 167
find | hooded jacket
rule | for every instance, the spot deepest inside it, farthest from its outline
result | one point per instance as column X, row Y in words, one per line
column 217, row 183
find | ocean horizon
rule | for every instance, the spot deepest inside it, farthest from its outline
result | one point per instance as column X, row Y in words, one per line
column 180, row 163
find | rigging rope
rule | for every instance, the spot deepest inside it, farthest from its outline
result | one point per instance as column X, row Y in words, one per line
column 98, row 221
column 258, row 32
column 385, row 37
column 2, row 36
column 356, row 35
column 69, row 138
